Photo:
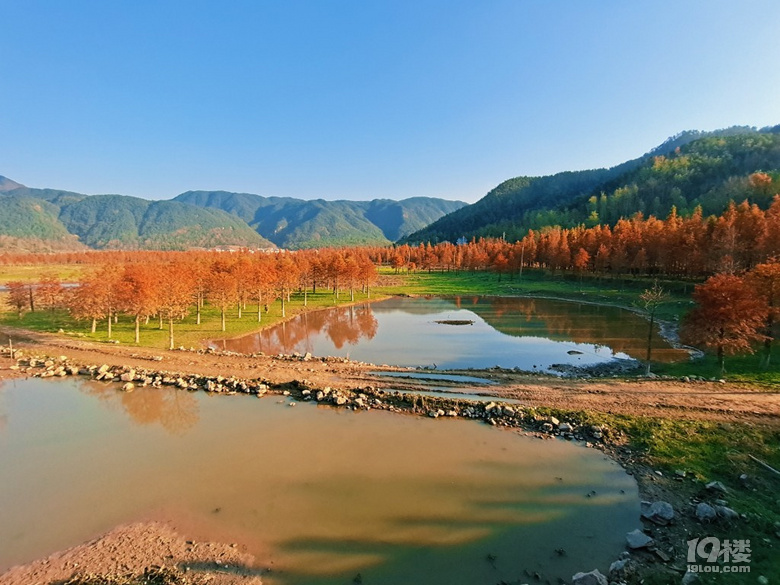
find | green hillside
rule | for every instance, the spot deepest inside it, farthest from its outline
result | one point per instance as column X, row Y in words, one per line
column 25, row 217
column 297, row 223
column 693, row 168
column 43, row 219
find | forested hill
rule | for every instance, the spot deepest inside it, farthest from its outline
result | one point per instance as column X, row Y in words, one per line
column 690, row 169
column 297, row 223
column 47, row 219
column 51, row 219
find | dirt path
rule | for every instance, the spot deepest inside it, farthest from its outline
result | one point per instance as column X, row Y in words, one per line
column 666, row 398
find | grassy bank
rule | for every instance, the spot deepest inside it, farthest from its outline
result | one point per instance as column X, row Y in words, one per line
column 704, row 451
column 617, row 292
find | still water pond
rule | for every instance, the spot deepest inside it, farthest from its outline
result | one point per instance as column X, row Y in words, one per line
column 460, row 332
column 316, row 493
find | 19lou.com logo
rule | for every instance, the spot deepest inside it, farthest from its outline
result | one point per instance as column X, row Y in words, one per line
column 710, row 555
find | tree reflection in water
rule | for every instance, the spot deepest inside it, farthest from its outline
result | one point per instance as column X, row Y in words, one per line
column 342, row 325
column 176, row 411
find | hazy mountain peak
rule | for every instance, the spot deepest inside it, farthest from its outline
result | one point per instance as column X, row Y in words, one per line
column 7, row 184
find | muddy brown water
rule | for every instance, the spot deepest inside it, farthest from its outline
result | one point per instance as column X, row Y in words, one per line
column 529, row 334
column 317, row 494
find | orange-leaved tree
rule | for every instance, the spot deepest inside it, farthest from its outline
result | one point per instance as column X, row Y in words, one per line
column 17, row 296
column 175, row 295
column 764, row 281
column 139, row 293
column 728, row 317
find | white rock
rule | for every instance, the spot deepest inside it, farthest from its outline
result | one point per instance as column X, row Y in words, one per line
column 638, row 539
column 593, row 578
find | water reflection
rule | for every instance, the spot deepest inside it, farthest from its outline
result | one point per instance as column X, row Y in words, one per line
column 510, row 332
column 341, row 326
column 176, row 412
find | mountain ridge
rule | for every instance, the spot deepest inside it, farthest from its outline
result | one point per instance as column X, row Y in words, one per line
column 522, row 203
column 205, row 219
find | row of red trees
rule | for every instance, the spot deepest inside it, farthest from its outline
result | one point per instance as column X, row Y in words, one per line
column 171, row 287
column 743, row 236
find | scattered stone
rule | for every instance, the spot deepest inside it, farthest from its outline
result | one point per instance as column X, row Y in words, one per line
column 726, row 513
column 716, row 486
column 763, row 580
column 638, row 539
column 593, row 578
column 689, row 578
column 622, row 569
column 705, row 512
column 128, row 387
column 659, row 512
column 565, row 427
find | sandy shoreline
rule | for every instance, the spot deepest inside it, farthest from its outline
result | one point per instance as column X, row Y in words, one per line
column 132, row 548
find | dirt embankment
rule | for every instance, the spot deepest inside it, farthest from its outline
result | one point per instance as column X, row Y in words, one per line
column 664, row 398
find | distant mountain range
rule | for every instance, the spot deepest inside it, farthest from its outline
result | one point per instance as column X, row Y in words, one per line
column 690, row 170
column 297, row 223
column 49, row 219
column 706, row 169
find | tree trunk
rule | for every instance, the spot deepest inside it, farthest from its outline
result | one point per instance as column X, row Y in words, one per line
column 650, row 341
column 138, row 329
column 32, row 299
column 351, row 295
column 109, row 324
column 767, row 358
column 282, row 299
column 259, row 307
column 223, row 318
column 94, row 324
column 161, row 320
column 197, row 310
column 305, row 297
column 239, row 310
column 170, row 332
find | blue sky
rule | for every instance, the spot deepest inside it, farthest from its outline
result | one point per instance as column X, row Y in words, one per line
column 364, row 99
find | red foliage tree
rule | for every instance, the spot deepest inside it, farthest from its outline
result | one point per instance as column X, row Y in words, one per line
column 728, row 317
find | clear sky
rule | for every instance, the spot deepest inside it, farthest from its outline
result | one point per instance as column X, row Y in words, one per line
column 363, row 99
